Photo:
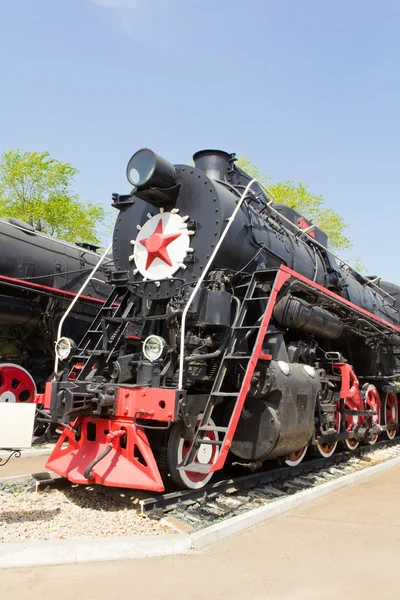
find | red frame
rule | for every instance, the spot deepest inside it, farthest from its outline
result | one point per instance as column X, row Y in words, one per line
column 119, row 468
column 156, row 404
column 349, row 390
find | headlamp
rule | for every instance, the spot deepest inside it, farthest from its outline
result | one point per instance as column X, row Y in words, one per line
column 154, row 347
column 65, row 348
column 146, row 168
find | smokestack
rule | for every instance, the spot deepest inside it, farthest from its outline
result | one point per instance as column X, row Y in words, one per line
column 214, row 163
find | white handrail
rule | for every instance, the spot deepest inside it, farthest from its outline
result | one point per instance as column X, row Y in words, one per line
column 202, row 276
column 212, row 257
column 301, row 231
column 74, row 301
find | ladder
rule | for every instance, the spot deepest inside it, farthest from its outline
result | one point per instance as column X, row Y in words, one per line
column 249, row 362
column 106, row 330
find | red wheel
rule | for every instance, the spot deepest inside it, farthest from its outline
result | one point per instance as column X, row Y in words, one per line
column 372, row 402
column 178, row 447
column 326, row 450
column 295, row 458
column 16, row 384
column 351, row 421
column 391, row 413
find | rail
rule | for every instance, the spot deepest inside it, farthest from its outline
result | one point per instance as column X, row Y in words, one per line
column 181, row 499
column 74, row 301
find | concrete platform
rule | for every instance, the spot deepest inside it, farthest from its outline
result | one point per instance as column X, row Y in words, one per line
column 24, row 466
column 345, row 545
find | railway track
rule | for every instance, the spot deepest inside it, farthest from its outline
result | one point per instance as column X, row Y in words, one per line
column 194, row 510
column 230, row 497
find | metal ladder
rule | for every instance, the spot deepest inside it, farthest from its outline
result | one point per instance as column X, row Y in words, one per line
column 106, row 330
column 239, row 331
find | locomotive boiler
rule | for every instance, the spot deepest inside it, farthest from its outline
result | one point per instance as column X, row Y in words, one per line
column 39, row 276
column 232, row 333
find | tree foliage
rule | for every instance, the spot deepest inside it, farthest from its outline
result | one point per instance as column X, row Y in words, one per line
column 298, row 196
column 33, row 185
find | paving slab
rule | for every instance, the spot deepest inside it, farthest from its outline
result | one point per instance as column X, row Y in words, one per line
column 24, row 466
column 344, row 545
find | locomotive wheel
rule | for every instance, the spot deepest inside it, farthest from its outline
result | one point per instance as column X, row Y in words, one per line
column 373, row 402
column 391, row 413
column 16, row 384
column 293, row 459
column 178, row 447
column 326, row 450
column 351, row 443
column 350, row 422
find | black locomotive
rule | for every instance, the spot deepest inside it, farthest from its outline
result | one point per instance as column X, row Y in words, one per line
column 231, row 331
column 39, row 276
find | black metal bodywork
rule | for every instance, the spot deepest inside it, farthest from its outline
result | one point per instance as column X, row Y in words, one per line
column 39, row 276
column 283, row 409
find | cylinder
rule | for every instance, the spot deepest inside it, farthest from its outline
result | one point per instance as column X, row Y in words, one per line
column 298, row 314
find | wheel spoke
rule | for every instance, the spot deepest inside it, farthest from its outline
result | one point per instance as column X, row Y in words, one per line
column 391, row 413
column 372, row 402
column 326, row 450
column 350, row 422
column 178, row 447
column 16, row 384
column 295, row 458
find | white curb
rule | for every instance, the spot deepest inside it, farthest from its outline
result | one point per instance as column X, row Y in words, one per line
column 225, row 529
column 29, row 453
column 29, row 554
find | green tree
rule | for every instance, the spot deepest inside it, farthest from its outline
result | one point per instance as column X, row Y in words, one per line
column 35, row 185
column 299, row 197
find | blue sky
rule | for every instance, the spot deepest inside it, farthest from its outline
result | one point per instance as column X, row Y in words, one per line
column 308, row 89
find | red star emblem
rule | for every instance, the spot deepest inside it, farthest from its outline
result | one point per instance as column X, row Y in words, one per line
column 156, row 245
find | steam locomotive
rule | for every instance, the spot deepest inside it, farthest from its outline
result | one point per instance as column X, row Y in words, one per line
column 231, row 333
column 39, row 276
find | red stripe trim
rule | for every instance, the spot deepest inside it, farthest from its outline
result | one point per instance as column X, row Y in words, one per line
column 322, row 289
column 47, row 288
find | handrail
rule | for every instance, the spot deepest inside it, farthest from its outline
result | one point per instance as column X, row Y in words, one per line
column 301, row 231
column 202, row 276
column 74, row 301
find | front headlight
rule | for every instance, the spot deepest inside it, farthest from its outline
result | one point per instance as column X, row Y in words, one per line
column 154, row 347
column 65, row 348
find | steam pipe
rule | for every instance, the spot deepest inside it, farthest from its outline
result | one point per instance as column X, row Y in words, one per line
column 87, row 472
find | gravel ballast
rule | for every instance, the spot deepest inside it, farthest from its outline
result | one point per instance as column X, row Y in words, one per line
column 75, row 512
column 71, row 512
